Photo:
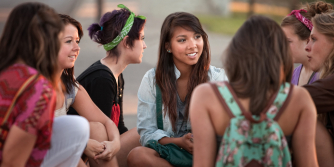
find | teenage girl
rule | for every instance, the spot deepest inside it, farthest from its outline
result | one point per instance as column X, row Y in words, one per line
column 256, row 70
column 184, row 63
column 297, row 26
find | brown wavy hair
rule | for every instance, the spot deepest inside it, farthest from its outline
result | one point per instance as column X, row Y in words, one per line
column 312, row 9
column 67, row 77
column 254, row 59
column 165, row 74
column 32, row 35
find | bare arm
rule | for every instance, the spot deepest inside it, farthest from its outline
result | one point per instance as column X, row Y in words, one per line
column 16, row 152
column 86, row 108
column 204, row 134
column 303, row 140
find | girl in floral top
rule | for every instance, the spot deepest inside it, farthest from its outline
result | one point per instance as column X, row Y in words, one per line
column 257, row 63
column 31, row 136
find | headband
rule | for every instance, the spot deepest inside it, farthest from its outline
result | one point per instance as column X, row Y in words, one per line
column 302, row 19
column 126, row 29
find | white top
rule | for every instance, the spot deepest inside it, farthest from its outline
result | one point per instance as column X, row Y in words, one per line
column 69, row 100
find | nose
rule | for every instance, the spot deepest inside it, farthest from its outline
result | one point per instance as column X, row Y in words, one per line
column 308, row 47
column 144, row 45
column 76, row 47
column 192, row 44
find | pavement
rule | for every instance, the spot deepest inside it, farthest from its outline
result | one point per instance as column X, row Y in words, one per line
column 154, row 10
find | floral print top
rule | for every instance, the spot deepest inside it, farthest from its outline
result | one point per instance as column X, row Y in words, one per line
column 251, row 139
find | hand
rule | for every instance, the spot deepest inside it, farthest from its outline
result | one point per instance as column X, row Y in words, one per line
column 94, row 148
column 187, row 143
column 111, row 149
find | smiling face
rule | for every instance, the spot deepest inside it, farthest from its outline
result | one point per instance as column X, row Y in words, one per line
column 297, row 46
column 136, row 52
column 69, row 49
column 186, row 47
column 318, row 48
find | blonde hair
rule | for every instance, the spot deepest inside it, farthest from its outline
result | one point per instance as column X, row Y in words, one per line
column 324, row 23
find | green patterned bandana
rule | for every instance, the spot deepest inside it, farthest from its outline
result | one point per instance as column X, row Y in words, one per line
column 126, row 29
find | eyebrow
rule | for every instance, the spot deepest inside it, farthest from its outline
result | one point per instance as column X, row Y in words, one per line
column 70, row 37
column 180, row 36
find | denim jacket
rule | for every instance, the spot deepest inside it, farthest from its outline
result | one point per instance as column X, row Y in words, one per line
column 146, row 112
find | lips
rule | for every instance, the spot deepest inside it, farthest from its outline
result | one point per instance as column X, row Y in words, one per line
column 309, row 58
column 192, row 55
column 72, row 57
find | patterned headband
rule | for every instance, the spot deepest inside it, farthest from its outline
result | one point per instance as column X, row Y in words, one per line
column 126, row 29
column 302, row 19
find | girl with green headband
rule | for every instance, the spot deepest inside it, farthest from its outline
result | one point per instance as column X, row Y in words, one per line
column 122, row 35
column 184, row 63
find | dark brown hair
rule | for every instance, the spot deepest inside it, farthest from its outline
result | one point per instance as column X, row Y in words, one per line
column 165, row 75
column 312, row 9
column 254, row 59
column 67, row 77
column 32, row 35
column 113, row 23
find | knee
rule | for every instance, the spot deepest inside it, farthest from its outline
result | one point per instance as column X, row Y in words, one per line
column 81, row 126
column 98, row 131
column 138, row 157
column 96, row 126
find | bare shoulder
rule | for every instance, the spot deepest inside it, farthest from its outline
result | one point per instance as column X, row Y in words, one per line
column 203, row 89
column 301, row 94
column 302, row 99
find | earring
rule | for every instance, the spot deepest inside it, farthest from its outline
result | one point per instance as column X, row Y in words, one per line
column 168, row 51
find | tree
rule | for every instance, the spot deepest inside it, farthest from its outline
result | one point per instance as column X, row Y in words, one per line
column 294, row 4
column 251, row 7
column 99, row 10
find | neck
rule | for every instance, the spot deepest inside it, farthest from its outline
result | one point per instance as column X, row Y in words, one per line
column 185, row 71
column 59, row 73
column 115, row 66
column 307, row 68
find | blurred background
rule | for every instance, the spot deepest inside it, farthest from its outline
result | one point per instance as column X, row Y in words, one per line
column 220, row 18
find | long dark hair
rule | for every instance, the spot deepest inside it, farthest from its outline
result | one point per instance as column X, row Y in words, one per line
column 165, row 75
column 32, row 35
column 254, row 59
column 113, row 23
column 67, row 77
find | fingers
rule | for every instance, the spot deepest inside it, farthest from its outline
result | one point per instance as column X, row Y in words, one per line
column 103, row 155
column 189, row 135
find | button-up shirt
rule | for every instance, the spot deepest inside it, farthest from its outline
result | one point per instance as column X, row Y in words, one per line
column 146, row 112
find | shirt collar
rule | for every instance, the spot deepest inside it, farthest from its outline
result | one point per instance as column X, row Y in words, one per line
column 177, row 72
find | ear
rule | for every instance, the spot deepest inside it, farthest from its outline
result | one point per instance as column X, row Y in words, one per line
column 123, row 42
column 167, row 46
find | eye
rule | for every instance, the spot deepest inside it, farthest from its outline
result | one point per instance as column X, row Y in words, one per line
column 68, row 41
column 77, row 41
column 142, row 38
column 313, row 39
column 198, row 36
column 181, row 40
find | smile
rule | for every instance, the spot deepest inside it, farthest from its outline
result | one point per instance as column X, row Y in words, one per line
column 192, row 54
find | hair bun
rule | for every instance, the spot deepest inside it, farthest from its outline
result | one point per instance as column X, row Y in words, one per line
column 319, row 7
